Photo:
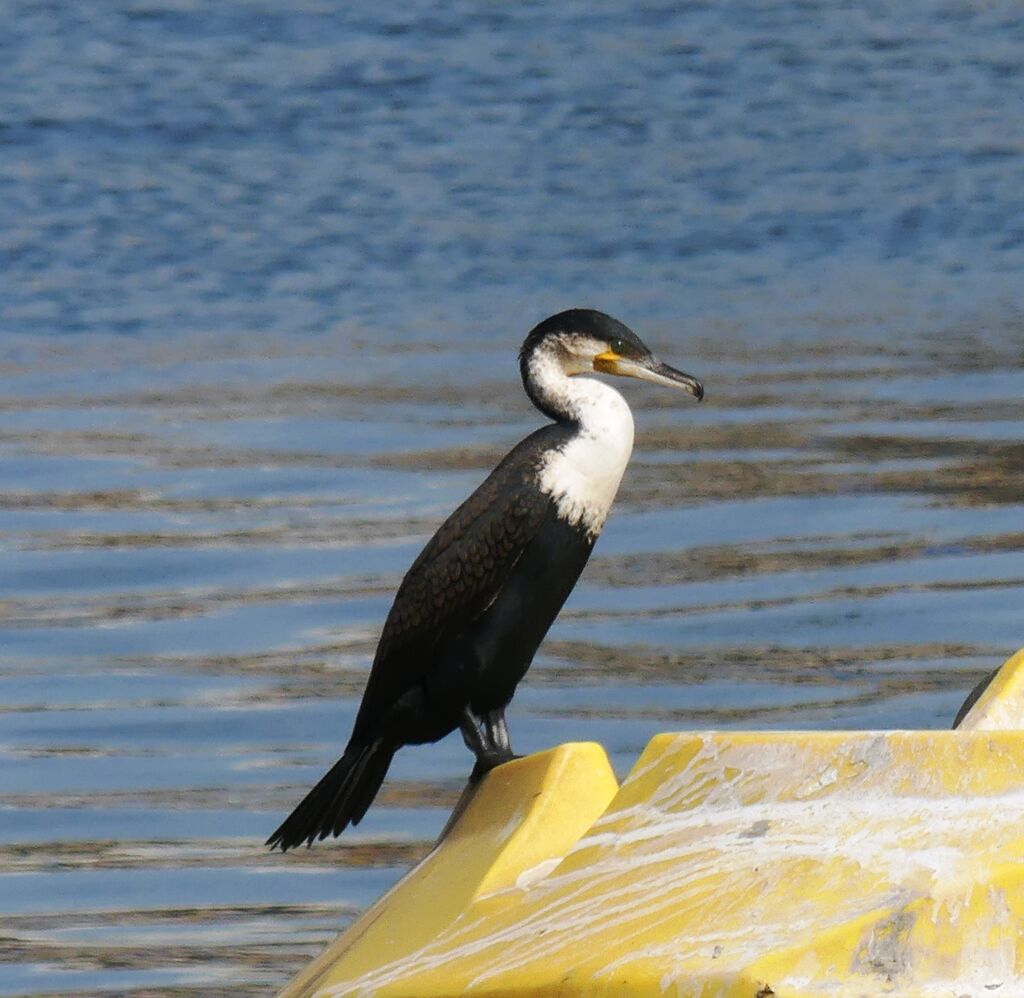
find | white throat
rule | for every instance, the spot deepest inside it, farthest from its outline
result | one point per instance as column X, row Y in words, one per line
column 583, row 476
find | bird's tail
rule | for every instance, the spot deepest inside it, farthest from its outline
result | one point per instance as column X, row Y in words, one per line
column 339, row 799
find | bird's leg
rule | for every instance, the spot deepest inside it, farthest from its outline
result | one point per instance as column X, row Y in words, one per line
column 496, row 731
column 472, row 732
column 487, row 739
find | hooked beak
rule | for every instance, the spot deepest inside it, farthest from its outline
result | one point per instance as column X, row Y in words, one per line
column 649, row 369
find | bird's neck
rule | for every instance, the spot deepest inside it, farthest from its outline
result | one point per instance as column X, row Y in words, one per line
column 553, row 386
column 582, row 476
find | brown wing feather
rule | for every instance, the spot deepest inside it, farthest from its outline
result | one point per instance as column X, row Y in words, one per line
column 456, row 577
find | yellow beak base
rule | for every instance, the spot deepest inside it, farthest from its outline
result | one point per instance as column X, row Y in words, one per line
column 607, row 362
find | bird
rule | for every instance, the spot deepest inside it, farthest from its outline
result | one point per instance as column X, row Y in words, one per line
column 478, row 600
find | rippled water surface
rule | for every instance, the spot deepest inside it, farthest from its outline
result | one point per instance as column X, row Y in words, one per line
column 264, row 272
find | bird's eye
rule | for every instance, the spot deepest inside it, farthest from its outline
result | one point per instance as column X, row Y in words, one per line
column 617, row 345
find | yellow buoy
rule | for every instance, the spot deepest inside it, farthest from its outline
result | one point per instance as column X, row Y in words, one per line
column 734, row 865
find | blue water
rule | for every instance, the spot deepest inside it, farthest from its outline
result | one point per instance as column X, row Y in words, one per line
column 263, row 272
column 243, row 167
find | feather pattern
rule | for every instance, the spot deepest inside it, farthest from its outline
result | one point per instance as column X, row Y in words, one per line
column 459, row 573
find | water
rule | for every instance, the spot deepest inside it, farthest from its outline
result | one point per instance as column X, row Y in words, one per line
column 264, row 272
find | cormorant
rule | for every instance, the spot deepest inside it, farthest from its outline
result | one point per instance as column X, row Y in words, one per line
column 475, row 605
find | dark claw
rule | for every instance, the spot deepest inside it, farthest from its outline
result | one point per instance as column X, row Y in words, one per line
column 484, row 764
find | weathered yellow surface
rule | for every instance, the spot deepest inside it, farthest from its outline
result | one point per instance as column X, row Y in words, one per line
column 526, row 815
column 732, row 865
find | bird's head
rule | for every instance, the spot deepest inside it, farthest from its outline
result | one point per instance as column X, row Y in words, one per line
column 582, row 340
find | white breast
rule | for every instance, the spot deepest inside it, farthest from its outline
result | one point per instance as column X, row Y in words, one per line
column 584, row 475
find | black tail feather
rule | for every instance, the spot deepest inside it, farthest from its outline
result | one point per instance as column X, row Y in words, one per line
column 338, row 809
column 339, row 799
column 373, row 776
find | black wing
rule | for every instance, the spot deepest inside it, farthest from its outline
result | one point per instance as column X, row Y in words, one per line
column 458, row 574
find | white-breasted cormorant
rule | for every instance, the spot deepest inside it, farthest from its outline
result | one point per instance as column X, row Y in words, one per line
column 475, row 605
